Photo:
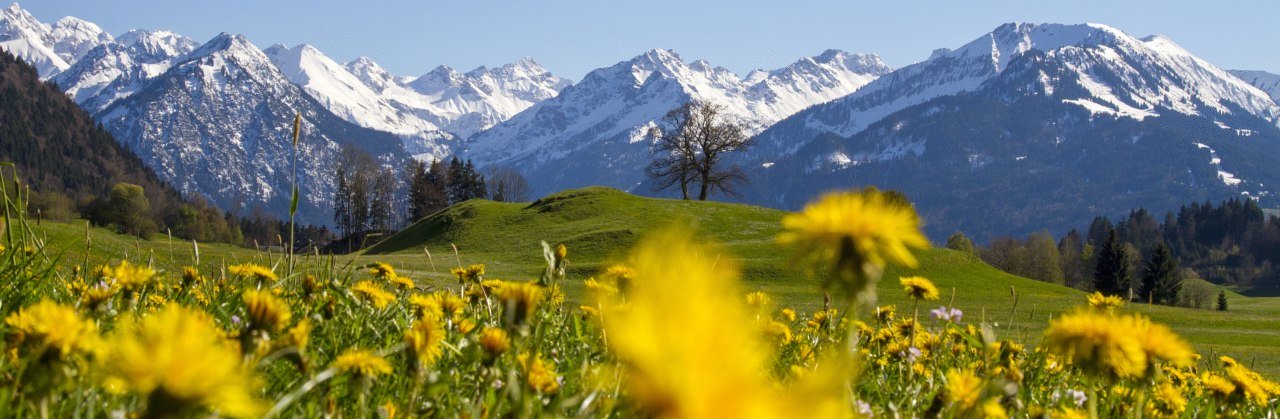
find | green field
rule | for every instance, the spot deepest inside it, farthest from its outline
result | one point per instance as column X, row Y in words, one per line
column 599, row 224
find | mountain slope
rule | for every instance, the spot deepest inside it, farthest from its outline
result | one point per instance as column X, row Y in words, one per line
column 462, row 104
column 218, row 123
column 115, row 70
column 55, row 145
column 600, row 123
column 1045, row 121
column 1120, row 74
column 348, row 97
column 1268, row 82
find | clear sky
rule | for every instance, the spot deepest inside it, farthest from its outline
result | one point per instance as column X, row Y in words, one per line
column 410, row 37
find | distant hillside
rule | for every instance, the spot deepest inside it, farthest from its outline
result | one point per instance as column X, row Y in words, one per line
column 56, row 146
column 599, row 225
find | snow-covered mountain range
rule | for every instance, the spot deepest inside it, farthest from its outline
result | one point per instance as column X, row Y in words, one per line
column 50, row 48
column 209, row 118
column 1026, row 126
column 218, row 122
column 595, row 132
column 1018, row 129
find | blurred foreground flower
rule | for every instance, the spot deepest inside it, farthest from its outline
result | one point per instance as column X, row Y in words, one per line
column 854, row 234
column 178, row 360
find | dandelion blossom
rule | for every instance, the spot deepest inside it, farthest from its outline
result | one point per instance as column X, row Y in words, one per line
column 1098, row 343
column 266, row 311
column 494, row 341
column 373, row 294
column 381, row 270
column 362, row 363
column 919, row 287
column 131, row 277
column 856, row 234
column 684, row 295
column 250, row 270
column 1108, row 303
column 963, row 389
column 423, row 340
column 520, row 299
column 53, row 327
column 539, row 374
column 179, row 360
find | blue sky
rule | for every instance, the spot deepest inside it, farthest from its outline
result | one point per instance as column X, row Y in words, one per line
column 573, row 37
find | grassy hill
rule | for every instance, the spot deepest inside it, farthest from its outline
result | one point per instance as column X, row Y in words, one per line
column 599, row 224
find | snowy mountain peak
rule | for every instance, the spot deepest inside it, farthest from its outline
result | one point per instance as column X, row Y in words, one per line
column 160, row 42
column 351, row 99
column 1093, row 66
column 608, row 114
column 73, row 38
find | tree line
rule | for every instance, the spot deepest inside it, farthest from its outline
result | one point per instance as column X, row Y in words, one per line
column 371, row 199
column 1170, row 262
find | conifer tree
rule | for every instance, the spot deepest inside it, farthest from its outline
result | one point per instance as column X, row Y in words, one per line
column 1161, row 282
column 1112, row 275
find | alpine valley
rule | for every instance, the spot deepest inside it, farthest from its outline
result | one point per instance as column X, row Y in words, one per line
column 1027, row 127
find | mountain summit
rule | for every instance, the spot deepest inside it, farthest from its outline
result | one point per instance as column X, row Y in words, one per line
column 594, row 132
column 1034, row 126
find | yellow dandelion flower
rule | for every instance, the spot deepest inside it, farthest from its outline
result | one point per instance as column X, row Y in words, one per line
column 401, row 282
column 885, row 314
column 373, row 294
column 758, row 300
column 94, row 297
column 131, row 277
column 919, row 287
column 555, row 294
column 423, row 340
column 52, row 327
column 265, row 311
column 685, row 294
column 470, row 274
column 494, row 341
column 426, row 304
column 310, row 285
column 787, row 314
column 1250, row 385
column 1108, row 303
column 362, row 363
column 777, row 332
column 520, row 299
column 250, row 270
column 992, row 409
column 539, row 374
column 561, row 252
column 854, row 233
column 619, row 276
column 599, row 288
column 381, row 270
column 464, row 325
column 1160, row 343
column 1069, row 414
column 1217, row 385
column 1098, row 343
column 191, row 276
column 1168, row 401
column 179, row 360
column 299, row 335
column 450, row 303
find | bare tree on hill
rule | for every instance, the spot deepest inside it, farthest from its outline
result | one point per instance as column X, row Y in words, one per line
column 692, row 151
